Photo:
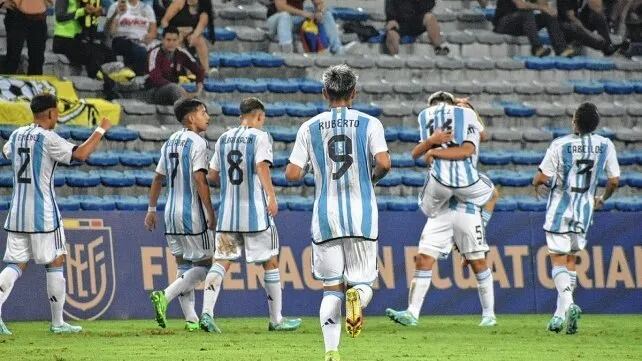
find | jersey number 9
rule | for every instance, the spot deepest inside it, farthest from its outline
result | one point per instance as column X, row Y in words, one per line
column 345, row 157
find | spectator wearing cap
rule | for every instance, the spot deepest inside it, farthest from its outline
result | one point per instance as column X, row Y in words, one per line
column 412, row 18
column 286, row 16
column 519, row 17
column 132, row 26
column 166, row 63
column 26, row 20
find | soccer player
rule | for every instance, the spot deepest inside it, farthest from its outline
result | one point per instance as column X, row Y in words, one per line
column 571, row 168
column 188, row 211
column 34, row 225
column 340, row 145
column 241, row 165
column 453, row 172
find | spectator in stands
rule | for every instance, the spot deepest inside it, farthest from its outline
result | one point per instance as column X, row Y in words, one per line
column 191, row 18
column 578, row 21
column 411, row 18
column 67, row 33
column 166, row 62
column 518, row 17
column 132, row 25
column 26, row 20
column 286, row 16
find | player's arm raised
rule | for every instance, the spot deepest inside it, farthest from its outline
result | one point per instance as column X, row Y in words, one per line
column 83, row 151
column 154, row 193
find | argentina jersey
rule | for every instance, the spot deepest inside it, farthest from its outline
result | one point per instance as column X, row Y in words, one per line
column 34, row 153
column 183, row 154
column 243, row 206
column 465, row 127
column 574, row 164
column 340, row 146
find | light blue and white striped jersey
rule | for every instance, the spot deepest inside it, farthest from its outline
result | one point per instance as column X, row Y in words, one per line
column 183, row 154
column 463, row 123
column 340, row 145
column 574, row 163
column 243, row 206
column 34, row 153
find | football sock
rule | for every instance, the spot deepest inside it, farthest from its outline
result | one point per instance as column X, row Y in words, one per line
column 56, row 293
column 365, row 294
column 213, row 283
column 418, row 289
column 8, row 277
column 486, row 215
column 563, row 284
column 486, row 292
column 187, row 282
column 330, row 318
column 186, row 299
column 272, row 284
column 573, row 276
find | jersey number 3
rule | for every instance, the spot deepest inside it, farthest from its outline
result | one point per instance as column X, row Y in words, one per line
column 25, row 164
column 345, row 157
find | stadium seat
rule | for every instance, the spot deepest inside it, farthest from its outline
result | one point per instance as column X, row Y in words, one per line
column 402, row 204
column 135, row 159
column 529, row 204
column 274, row 110
column 231, row 108
column 527, row 158
column 280, row 159
column 310, row 86
column 116, row 179
column 299, row 109
column 82, row 179
column 413, row 179
column 403, row 160
column 68, row 204
column 282, row 86
column 495, row 157
column 631, row 204
column 300, row 203
column 588, row 87
column 627, row 158
column 103, row 159
column 308, row 180
column 282, row 134
column 506, row 204
column 142, row 177
column 408, row 135
column 80, row 134
column 634, row 180
column 518, row 110
column 391, row 180
column 6, row 130
column 6, row 179
column 131, row 204
column 93, row 203
column 279, row 180
column 618, row 88
column 219, row 86
column 368, row 108
column 121, row 134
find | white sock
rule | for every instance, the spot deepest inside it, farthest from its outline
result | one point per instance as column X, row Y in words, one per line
column 365, row 294
column 486, row 292
column 563, row 284
column 213, row 283
column 272, row 284
column 56, row 291
column 573, row 276
column 187, row 299
column 187, row 282
column 330, row 318
column 418, row 289
column 8, row 277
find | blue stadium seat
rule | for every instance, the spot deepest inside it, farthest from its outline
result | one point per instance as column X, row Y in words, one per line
column 244, row 85
column 223, row 34
column 391, row 180
column 536, row 63
column 230, row 108
column 280, row 159
column 588, row 87
column 408, row 135
column 382, row 202
column 132, row 204
column 143, row 177
column 349, row 14
column 391, row 133
column 63, row 131
column 189, row 87
column 609, row 205
column 529, row 204
column 68, row 204
column 627, row 158
column 294, row 109
column 527, row 157
column 282, row 134
column 6, row 130
column 489, row 12
column 630, row 204
column 506, row 204
column 283, row 202
column 308, row 180
column 518, row 110
column 155, row 154
column 116, row 179
column 368, row 108
column 559, row 131
column 606, row 132
column 280, row 181
column 121, row 134
column 617, row 87
column 517, row 179
column 624, row 179
column 219, row 86
column 136, row 159
column 638, row 156
column 599, row 64
column 274, row 110
column 413, row 178
column 6, row 179
column 266, row 60
column 495, row 157
column 282, row 86
column 80, row 134
column 310, row 86
column 301, row 203
column 60, row 176
column 403, row 160
column 93, row 203
column 421, row 162
column 634, row 180
column 402, row 204
column 4, row 161
column 569, row 63
column 82, row 179
column 103, row 159
column 235, row 60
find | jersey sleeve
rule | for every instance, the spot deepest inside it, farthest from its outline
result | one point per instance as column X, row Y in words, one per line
column 300, row 156
column 473, row 136
column 58, row 148
column 7, row 148
column 612, row 167
column 377, row 138
column 199, row 156
column 214, row 162
column 160, row 167
column 423, row 127
column 549, row 164
column 263, row 149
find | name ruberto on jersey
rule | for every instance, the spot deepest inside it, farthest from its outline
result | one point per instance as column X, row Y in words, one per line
column 583, row 149
column 339, row 123
column 241, row 140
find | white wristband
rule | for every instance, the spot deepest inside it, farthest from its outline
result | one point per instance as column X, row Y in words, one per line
column 100, row 130
column 151, row 209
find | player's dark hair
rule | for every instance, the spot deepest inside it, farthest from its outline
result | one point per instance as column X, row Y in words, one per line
column 170, row 30
column 42, row 102
column 441, row 97
column 587, row 118
column 339, row 82
column 248, row 105
column 183, row 107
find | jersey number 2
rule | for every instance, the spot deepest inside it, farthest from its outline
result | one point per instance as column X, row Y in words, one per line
column 586, row 169
column 345, row 157
column 25, row 164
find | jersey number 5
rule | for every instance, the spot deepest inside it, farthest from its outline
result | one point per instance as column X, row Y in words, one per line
column 343, row 141
column 586, row 169
column 25, row 164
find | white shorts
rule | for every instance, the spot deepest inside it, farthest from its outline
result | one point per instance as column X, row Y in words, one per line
column 435, row 195
column 43, row 248
column 259, row 246
column 452, row 227
column 565, row 243
column 191, row 247
column 350, row 260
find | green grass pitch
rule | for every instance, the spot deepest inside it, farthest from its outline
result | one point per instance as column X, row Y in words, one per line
column 452, row 338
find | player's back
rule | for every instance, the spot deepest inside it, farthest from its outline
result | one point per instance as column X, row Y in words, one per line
column 341, row 144
column 463, row 124
column 575, row 163
column 243, row 206
column 183, row 154
column 34, row 153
